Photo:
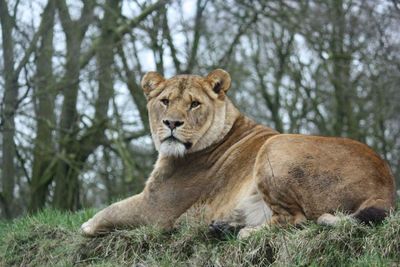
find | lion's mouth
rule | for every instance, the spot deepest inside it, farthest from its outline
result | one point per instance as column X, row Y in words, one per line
column 172, row 138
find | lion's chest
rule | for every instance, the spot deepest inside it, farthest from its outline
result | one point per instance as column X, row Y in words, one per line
column 227, row 186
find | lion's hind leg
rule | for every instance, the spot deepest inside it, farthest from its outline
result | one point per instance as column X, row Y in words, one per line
column 287, row 219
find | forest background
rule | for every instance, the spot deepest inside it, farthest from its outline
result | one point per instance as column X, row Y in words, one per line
column 74, row 130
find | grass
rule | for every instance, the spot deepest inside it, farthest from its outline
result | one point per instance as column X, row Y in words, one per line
column 51, row 238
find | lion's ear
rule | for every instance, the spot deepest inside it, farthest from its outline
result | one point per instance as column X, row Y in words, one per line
column 220, row 80
column 150, row 81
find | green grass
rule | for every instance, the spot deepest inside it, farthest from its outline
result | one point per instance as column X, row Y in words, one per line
column 51, row 238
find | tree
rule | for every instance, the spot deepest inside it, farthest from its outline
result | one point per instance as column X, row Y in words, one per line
column 43, row 156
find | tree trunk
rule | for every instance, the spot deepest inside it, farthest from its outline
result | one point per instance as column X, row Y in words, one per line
column 66, row 190
column 8, row 112
column 67, row 186
column 340, row 77
column 42, row 169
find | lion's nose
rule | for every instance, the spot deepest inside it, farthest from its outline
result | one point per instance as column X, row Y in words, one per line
column 172, row 124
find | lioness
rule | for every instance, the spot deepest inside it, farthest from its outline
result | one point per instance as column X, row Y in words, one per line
column 214, row 159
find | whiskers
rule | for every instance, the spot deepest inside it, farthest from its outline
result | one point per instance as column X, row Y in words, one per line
column 175, row 143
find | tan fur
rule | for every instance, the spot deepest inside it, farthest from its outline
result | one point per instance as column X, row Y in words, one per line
column 231, row 168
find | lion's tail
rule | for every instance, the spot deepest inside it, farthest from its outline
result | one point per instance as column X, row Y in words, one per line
column 371, row 215
column 370, row 212
column 374, row 210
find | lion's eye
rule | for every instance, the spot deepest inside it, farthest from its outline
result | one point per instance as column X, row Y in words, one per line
column 194, row 104
column 165, row 101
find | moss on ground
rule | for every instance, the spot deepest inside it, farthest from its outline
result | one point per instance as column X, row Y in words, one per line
column 51, row 238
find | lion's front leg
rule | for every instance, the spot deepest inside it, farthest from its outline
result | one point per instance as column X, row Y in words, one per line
column 160, row 203
column 123, row 213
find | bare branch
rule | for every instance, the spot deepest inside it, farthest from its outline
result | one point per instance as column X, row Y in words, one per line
column 121, row 30
column 224, row 60
column 200, row 6
column 167, row 36
column 44, row 26
column 65, row 17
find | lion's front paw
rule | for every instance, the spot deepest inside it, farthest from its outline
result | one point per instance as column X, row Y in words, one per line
column 93, row 228
column 88, row 228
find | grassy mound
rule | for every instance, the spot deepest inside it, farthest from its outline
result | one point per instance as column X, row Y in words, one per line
column 51, row 238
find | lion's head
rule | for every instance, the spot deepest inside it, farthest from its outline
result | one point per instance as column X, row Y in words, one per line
column 187, row 113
